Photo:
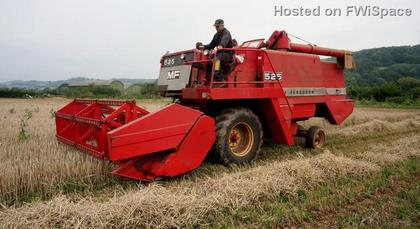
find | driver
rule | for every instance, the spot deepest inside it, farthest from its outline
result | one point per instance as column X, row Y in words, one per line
column 222, row 39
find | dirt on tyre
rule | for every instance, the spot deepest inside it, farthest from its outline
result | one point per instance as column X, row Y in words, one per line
column 238, row 136
column 315, row 137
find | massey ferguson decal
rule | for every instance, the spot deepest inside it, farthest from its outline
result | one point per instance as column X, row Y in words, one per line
column 173, row 75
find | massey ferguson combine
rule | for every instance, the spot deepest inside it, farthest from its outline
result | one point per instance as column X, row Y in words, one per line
column 266, row 89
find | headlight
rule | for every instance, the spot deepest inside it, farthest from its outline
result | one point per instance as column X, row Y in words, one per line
column 182, row 56
column 206, row 52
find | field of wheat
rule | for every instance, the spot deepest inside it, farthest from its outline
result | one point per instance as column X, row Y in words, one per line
column 47, row 184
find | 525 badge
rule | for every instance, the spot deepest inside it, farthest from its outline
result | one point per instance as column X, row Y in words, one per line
column 273, row 76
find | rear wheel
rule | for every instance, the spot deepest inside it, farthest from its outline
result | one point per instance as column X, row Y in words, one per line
column 238, row 136
column 315, row 137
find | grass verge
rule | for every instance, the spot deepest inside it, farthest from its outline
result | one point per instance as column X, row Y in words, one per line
column 388, row 198
column 374, row 104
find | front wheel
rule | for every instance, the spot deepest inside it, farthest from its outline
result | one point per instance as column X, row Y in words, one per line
column 238, row 136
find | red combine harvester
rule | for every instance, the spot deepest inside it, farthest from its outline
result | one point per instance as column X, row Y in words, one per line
column 268, row 87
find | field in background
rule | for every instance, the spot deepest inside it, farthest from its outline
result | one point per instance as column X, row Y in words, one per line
column 368, row 175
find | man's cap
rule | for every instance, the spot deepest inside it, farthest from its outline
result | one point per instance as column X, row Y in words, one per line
column 219, row 22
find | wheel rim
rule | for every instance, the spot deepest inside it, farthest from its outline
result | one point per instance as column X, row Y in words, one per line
column 241, row 139
column 319, row 139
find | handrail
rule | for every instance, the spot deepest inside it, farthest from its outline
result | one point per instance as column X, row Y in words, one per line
column 244, row 82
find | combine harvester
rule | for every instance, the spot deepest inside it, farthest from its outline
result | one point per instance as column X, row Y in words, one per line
column 269, row 86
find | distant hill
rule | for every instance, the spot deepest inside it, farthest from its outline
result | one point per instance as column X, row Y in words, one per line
column 40, row 85
column 379, row 66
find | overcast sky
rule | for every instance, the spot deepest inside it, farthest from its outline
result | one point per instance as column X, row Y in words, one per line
column 59, row 39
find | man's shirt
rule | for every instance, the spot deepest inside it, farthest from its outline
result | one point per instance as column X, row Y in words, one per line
column 223, row 39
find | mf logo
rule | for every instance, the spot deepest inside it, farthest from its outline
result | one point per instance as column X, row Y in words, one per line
column 173, row 75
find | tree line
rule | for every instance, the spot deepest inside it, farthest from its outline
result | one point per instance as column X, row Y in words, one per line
column 389, row 74
column 144, row 90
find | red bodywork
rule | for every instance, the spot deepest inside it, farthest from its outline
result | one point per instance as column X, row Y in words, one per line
column 281, row 82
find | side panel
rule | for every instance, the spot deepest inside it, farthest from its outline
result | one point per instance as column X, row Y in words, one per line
column 339, row 108
column 296, row 69
column 333, row 77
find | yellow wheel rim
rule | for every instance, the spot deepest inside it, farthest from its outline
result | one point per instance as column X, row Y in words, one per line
column 241, row 139
column 319, row 140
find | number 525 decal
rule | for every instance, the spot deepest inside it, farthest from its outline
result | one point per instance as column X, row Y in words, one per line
column 273, row 76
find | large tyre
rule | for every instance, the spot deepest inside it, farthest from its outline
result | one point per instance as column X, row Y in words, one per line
column 315, row 138
column 238, row 136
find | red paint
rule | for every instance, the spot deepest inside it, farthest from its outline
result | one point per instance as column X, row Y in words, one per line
column 176, row 138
